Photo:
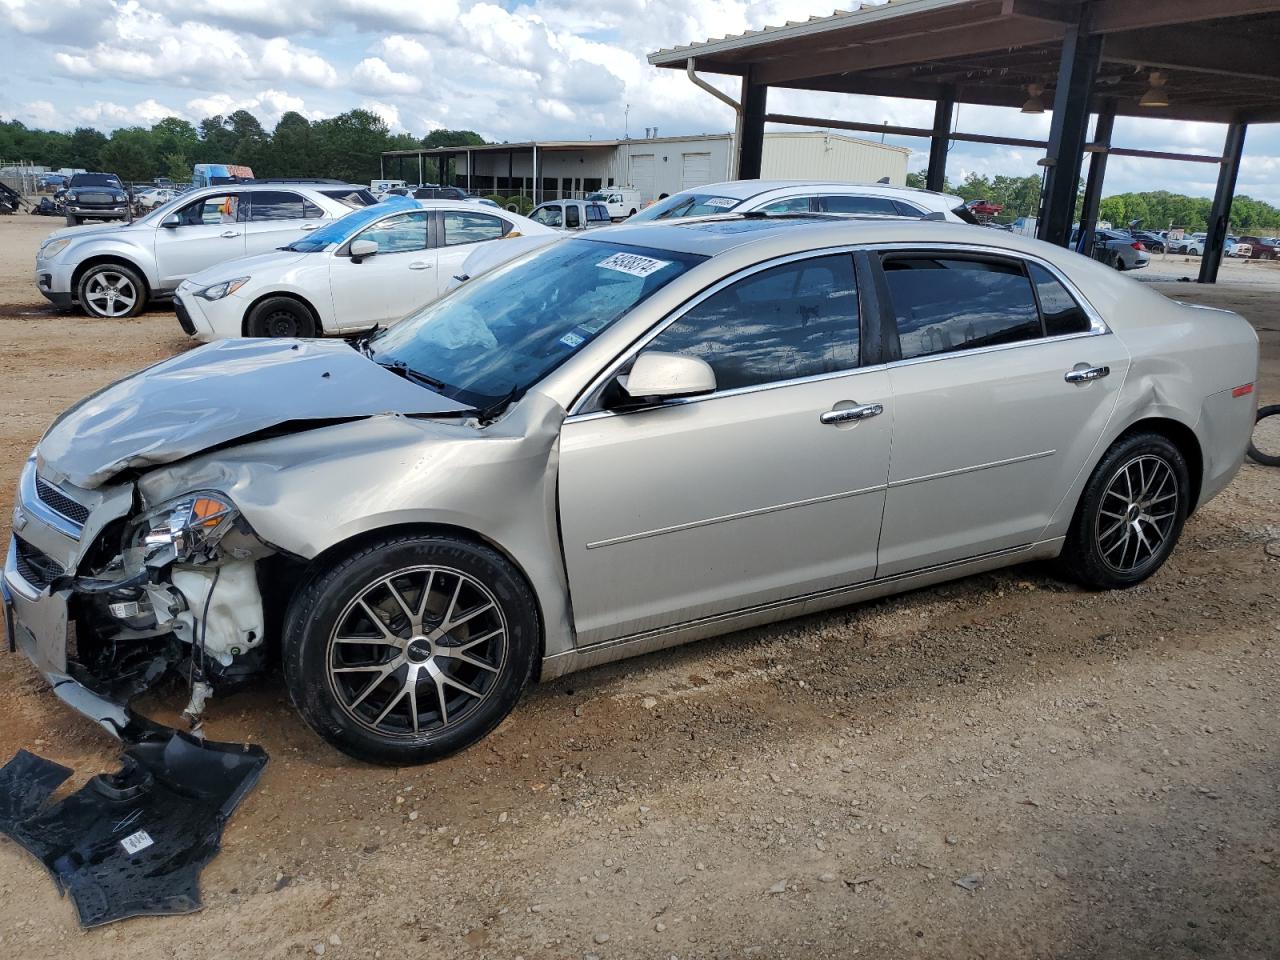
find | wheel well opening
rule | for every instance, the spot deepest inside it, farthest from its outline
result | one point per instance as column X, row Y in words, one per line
column 1182, row 437
column 434, row 529
column 109, row 259
column 279, row 295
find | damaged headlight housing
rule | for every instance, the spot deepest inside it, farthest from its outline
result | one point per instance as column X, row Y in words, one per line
column 223, row 289
column 185, row 529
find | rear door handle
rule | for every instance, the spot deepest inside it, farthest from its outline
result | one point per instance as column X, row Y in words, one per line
column 230, row 234
column 421, row 265
column 851, row 414
column 1085, row 374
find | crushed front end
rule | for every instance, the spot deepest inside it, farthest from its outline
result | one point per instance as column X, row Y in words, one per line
column 105, row 592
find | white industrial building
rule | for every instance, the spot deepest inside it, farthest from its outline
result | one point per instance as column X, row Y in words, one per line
column 548, row 170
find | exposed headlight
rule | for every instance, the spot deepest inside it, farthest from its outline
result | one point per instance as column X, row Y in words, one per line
column 185, row 529
column 71, row 195
column 223, row 289
column 51, row 248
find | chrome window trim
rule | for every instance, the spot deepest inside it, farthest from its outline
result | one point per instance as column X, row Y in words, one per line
column 1097, row 326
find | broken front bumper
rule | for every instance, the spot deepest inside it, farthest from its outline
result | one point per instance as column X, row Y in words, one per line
column 38, row 621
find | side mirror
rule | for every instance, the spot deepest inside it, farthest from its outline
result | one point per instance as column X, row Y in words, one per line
column 171, row 221
column 363, row 248
column 656, row 377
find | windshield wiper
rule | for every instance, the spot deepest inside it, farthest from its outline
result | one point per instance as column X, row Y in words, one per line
column 406, row 371
column 494, row 410
column 361, row 342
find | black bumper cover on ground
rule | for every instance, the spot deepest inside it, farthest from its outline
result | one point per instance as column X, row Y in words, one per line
column 131, row 843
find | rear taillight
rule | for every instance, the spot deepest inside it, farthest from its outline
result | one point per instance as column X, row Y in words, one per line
column 1137, row 245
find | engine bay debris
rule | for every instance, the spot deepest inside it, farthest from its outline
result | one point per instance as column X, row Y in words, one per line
column 130, row 843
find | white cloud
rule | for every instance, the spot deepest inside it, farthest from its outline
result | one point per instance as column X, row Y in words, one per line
column 372, row 74
column 388, row 112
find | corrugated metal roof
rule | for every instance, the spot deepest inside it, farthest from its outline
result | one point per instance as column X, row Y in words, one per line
column 839, row 19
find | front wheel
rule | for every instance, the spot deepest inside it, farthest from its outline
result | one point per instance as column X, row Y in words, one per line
column 1130, row 514
column 111, row 291
column 280, row 317
column 410, row 648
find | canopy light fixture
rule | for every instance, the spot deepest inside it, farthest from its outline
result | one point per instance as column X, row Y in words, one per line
column 1034, row 104
column 1155, row 95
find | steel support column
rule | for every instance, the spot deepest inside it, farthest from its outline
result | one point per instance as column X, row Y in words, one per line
column 944, row 109
column 750, row 145
column 1220, row 215
column 1097, row 172
column 1069, row 131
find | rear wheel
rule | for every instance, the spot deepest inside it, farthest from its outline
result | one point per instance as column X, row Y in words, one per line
column 111, row 291
column 411, row 648
column 1130, row 514
column 280, row 317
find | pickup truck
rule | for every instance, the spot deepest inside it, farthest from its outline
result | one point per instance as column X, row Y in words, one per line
column 1264, row 248
column 570, row 215
column 985, row 208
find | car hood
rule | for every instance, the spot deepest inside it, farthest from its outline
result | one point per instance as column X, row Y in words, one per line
column 246, row 267
column 221, row 393
column 97, row 230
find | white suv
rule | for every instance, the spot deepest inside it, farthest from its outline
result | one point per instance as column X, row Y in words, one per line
column 113, row 271
column 806, row 196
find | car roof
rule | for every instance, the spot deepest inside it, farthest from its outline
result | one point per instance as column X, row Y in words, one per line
column 797, row 233
column 746, row 189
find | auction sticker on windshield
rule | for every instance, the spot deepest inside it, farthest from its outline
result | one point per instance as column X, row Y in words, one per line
column 633, row 264
column 720, row 202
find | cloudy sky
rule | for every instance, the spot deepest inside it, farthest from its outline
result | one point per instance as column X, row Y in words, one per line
column 510, row 70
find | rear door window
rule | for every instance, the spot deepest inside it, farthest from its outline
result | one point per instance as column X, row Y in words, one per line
column 472, row 227
column 944, row 304
column 267, row 205
column 875, row 206
column 794, row 320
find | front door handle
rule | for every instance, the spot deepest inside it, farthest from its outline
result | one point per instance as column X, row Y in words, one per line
column 421, row 265
column 1084, row 374
column 852, row 414
column 230, row 234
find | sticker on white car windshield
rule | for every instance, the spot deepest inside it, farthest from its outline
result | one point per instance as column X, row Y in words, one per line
column 719, row 202
column 136, row 842
column 571, row 339
column 633, row 264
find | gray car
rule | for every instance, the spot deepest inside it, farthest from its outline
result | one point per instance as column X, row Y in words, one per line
column 629, row 439
column 113, row 271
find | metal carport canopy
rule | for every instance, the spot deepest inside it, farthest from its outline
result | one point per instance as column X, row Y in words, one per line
column 1217, row 60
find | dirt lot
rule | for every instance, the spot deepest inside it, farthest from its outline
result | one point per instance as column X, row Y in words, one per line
column 1101, row 769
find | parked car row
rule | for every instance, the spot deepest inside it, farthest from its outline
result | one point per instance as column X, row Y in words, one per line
column 420, row 522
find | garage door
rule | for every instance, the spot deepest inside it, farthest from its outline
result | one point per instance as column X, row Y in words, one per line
column 642, row 173
column 695, row 170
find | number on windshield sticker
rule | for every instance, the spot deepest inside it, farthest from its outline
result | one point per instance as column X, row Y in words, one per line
column 633, row 264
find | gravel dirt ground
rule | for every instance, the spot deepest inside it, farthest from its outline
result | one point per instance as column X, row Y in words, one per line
column 1001, row 767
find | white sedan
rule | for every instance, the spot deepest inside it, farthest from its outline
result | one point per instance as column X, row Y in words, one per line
column 373, row 266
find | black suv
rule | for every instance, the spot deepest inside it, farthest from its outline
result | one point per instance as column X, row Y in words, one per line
column 95, row 196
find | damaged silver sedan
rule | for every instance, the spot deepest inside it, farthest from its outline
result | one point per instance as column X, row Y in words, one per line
column 615, row 444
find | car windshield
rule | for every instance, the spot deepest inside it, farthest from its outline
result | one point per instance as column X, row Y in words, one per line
column 501, row 333
column 598, row 196
column 685, row 205
column 95, row 180
column 344, row 228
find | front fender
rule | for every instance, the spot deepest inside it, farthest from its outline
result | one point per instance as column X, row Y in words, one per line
column 136, row 251
column 310, row 492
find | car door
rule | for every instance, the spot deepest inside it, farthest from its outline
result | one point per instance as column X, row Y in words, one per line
column 276, row 217
column 391, row 284
column 1003, row 389
column 208, row 231
column 461, row 233
column 769, row 489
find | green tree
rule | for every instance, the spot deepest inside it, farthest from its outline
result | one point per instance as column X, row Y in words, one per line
column 86, row 146
column 130, row 156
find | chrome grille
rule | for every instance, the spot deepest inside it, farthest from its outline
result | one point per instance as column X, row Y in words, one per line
column 34, row 566
column 60, row 503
